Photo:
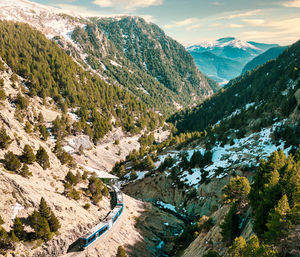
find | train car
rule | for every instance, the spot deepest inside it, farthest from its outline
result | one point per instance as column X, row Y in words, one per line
column 93, row 234
column 106, row 224
column 119, row 195
column 114, row 215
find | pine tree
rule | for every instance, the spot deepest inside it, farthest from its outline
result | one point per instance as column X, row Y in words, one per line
column 40, row 226
column 53, row 222
column 28, row 127
column 121, row 252
column 237, row 191
column 71, row 178
column 148, row 163
column 11, row 161
column 25, row 171
column 44, row 132
column 238, row 247
column 252, row 247
column 230, row 225
column 18, row 229
column 5, row 140
column 44, row 210
column 42, row 158
column 28, row 155
column 278, row 222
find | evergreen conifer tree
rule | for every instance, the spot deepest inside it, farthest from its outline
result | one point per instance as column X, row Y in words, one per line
column 18, row 229
column 42, row 158
column 121, row 252
column 25, row 171
column 44, row 210
column 278, row 223
column 28, row 155
column 11, row 161
column 53, row 222
column 4, row 139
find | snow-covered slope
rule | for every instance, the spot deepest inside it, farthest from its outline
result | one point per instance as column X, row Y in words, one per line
column 49, row 20
column 224, row 58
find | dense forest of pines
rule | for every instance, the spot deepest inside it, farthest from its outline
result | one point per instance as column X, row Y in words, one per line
column 274, row 200
column 49, row 71
column 265, row 88
column 154, row 67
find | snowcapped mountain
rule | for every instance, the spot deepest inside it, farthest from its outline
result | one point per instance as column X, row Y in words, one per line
column 51, row 21
column 95, row 44
column 224, row 59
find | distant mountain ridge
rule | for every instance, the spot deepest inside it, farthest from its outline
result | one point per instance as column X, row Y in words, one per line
column 270, row 54
column 224, row 59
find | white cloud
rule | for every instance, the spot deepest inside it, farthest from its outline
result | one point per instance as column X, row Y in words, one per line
column 244, row 14
column 84, row 11
column 254, row 22
column 127, row 4
column 293, row 3
column 192, row 27
column 235, row 26
column 182, row 23
column 282, row 31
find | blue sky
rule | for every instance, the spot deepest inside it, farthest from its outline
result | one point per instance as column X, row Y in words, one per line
column 192, row 21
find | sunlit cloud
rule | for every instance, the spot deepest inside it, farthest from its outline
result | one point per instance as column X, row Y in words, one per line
column 127, row 4
column 244, row 14
column 235, row 26
column 182, row 23
column 293, row 3
column 254, row 22
column 192, row 27
column 275, row 30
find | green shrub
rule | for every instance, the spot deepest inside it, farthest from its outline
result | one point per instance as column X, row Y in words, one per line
column 2, row 94
column 121, row 252
column 40, row 226
column 5, row 140
column 24, row 172
column 21, row 102
column 11, row 161
column 44, row 132
column 28, row 155
column 42, row 158
column 18, row 229
column 87, row 206
column 28, row 127
column 71, row 178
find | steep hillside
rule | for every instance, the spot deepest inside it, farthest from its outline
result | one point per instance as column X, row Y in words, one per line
column 148, row 68
column 35, row 163
column 271, row 89
column 223, row 60
column 186, row 174
column 268, row 55
column 153, row 66
column 50, row 72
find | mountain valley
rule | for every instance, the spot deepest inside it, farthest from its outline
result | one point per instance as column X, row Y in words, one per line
column 90, row 104
column 224, row 59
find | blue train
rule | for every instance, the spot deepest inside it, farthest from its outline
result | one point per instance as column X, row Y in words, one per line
column 105, row 225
